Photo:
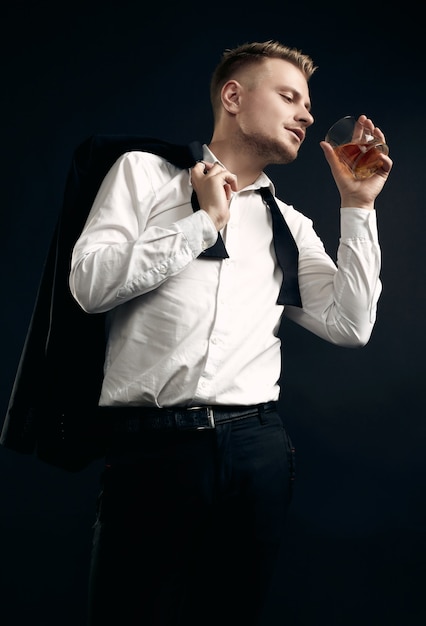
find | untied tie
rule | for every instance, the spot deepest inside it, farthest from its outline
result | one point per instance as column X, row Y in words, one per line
column 286, row 249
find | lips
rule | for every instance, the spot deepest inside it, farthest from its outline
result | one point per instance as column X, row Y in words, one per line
column 300, row 134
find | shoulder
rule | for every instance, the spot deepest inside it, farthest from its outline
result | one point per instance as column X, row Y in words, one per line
column 301, row 227
column 140, row 167
column 147, row 160
column 293, row 217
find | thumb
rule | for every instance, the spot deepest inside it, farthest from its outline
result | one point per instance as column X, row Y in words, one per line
column 331, row 157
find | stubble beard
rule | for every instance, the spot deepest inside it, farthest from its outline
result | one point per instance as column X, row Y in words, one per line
column 268, row 149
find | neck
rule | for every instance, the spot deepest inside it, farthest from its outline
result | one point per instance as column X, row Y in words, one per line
column 242, row 163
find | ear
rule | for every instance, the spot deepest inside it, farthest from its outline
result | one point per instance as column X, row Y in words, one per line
column 230, row 95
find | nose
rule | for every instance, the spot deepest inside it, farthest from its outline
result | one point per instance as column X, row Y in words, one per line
column 307, row 118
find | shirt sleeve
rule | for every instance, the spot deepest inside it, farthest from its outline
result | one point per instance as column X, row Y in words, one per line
column 340, row 300
column 124, row 250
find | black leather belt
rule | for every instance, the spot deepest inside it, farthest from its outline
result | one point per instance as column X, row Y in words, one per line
column 138, row 419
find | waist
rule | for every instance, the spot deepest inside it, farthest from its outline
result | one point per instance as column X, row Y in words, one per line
column 137, row 419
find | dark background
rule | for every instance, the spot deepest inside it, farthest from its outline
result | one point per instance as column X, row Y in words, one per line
column 357, row 531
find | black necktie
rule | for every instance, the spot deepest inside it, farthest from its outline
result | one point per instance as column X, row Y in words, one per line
column 286, row 249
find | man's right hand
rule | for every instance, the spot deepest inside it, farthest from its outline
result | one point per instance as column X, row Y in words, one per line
column 214, row 185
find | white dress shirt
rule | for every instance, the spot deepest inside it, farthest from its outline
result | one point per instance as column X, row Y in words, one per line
column 184, row 330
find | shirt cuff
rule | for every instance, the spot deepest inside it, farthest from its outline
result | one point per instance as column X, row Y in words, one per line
column 358, row 224
column 199, row 231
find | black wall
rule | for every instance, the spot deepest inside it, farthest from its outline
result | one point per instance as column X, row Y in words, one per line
column 357, row 531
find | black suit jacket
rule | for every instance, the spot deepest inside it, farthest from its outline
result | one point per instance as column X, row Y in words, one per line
column 53, row 402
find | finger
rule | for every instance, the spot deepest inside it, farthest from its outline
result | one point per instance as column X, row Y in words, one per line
column 329, row 153
column 336, row 166
column 230, row 181
column 204, row 166
column 368, row 124
column 387, row 164
column 379, row 134
column 208, row 166
column 199, row 170
column 216, row 166
column 359, row 129
column 217, row 169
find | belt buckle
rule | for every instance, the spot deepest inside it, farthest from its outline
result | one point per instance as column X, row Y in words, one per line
column 210, row 416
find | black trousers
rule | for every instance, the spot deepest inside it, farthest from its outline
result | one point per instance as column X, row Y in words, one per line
column 189, row 525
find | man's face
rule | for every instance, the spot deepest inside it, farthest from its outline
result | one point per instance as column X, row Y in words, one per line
column 274, row 110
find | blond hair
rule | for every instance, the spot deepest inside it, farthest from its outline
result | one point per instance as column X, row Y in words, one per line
column 250, row 54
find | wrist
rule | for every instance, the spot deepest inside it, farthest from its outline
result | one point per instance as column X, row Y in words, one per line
column 353, row 203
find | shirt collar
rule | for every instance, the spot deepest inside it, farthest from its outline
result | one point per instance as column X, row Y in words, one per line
column 262, row 181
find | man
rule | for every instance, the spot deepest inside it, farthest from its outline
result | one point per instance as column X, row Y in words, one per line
column 198, row 475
